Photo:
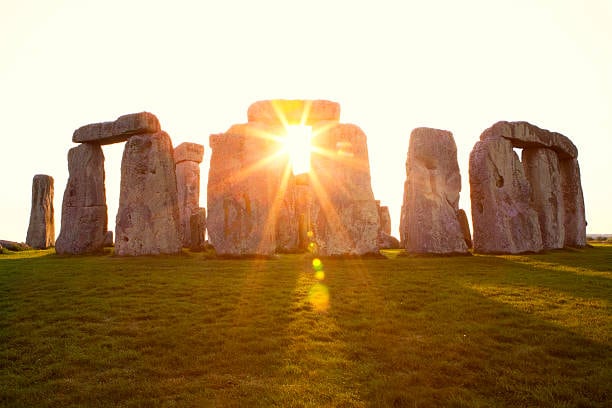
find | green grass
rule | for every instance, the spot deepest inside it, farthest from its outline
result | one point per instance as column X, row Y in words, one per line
column 478, row 331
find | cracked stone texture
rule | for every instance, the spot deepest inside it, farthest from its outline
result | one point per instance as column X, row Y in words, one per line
column 541, row 167
column 344, row 213
column 503, row 216
column 429, row 223
column 84, row 213
column 148, row 216
column 573, row 203
column 41, row 230
column 187, row 157
column 119, row 130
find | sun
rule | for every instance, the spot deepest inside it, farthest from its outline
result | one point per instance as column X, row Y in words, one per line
column 297, row 144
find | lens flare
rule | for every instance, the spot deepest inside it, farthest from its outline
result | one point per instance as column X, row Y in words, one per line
column 317, row 264
column 318, row 297
column 320, row 275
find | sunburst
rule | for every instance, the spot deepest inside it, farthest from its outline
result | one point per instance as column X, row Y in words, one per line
column 295, row 148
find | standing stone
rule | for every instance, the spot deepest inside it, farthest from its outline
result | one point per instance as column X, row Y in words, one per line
column 465, row 227
column 187, row 157
column 108, row 239
column 573, row 204
column 384, row 218
column 148, row 216
column 429, row 221
column 245, row 191
column 197, row 229
column 503, row 218
column 542, row 170
column 256, row 206
column 384, row 239
column 41, row 231
column 84, row 212
column 344, row 213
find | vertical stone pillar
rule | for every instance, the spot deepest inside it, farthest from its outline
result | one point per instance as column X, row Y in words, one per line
column 246, row 188
column 503, row 217
column 41, row 231
column 197, row 229
column 429, row 221
column 148, row 215
column 187, row 157
column 84, row 212
column 344, row 214
column 542, row 170
column 573, row 203
column 385, row 218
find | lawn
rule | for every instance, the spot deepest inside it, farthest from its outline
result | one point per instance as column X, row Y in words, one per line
column 478, row 331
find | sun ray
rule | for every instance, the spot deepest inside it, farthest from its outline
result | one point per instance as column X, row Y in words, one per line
column 327, row 207
column 279, row 113
column 258, row 165
column 306, row 112
column 343, row 188
column 269, row 226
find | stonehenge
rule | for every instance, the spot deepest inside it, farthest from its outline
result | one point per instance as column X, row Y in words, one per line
column 258, row 206
column 41, row 231
column 148, row 218
column 429, row 222
column 529, row 205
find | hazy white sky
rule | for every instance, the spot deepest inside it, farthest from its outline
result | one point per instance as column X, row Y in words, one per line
column 392, row 65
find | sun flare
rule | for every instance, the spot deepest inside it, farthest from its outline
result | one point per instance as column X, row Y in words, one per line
column 298, row 147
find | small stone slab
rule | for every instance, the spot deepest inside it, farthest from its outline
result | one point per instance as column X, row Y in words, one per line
column 118, row 131
column 294, row 112
column 188, row 152
column 525, row 135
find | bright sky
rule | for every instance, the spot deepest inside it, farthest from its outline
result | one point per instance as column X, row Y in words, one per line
column 392, row 65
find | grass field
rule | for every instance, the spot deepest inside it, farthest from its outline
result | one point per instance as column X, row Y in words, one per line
column 481, row 331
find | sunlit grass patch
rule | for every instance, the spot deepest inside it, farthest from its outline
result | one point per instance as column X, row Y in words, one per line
column 193, row 331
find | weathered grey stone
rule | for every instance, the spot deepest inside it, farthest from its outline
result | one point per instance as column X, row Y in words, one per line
column 541, row 167
column 291, row 218
column 344, row 213
column 41, row 231
column 465, row 227
column 188, row 152
column 119, row 130
column 384, row 218
column 244, row 192
column 526, row 135
column 188, row 185
column 108, row 239
column 197, row 229
column 148, row 216
column 573, row 204
column 14, row 246
column 84, row 212
column 503, row 218
column 429, row 221
column 386, row 241
column 293, row 112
